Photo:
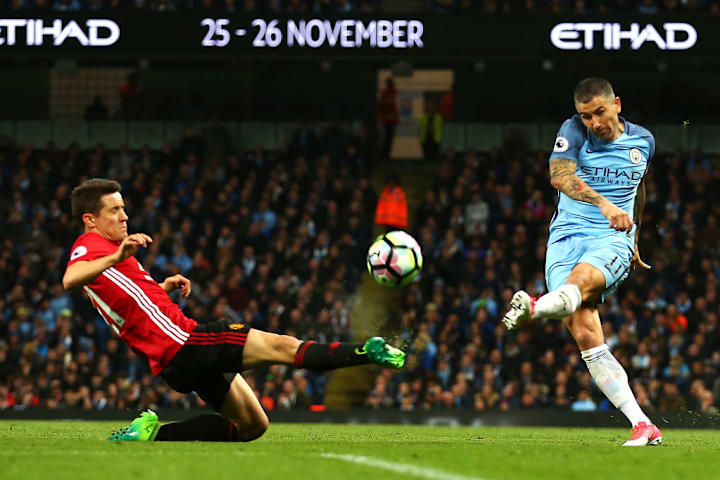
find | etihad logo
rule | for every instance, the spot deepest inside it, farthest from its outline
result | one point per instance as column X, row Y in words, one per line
column 612, row 36
column 97, row 32
column 614, row 176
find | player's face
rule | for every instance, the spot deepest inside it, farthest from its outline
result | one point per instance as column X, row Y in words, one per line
column 111, row 221
column 600, row 116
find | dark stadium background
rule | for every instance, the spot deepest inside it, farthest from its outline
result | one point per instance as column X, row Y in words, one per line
column 257, row 171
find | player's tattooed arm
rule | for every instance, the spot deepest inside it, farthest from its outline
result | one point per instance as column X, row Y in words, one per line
column 563, row 178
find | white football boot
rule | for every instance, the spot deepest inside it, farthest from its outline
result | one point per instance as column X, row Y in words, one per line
column 521, row 307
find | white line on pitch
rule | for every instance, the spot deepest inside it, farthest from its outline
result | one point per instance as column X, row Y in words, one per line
column 402, row 468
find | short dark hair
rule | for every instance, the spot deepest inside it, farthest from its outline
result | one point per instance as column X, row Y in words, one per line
column 85, row 198
column 592, row 87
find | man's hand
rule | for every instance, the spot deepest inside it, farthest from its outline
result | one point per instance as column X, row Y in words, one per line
column 637, row 261
column 130, row 245
column 177, row 281
column 619, row 218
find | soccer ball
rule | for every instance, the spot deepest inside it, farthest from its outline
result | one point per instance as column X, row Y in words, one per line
column 394, row 259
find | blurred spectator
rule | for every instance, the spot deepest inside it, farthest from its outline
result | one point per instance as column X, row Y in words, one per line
column 392, row 210
column 96, row 110
column 647, row 7
column 131, row 97
column 430, row 131
column 67, row 5
column 477, row 213
column 388, row 116
column 583, row 403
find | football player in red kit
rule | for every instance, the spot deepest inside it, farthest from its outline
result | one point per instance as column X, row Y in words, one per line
column 190, row 356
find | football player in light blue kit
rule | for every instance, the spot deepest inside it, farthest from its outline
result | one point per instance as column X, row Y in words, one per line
column 598, row 165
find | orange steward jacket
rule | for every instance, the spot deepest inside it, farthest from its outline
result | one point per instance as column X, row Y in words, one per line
column 392, row 208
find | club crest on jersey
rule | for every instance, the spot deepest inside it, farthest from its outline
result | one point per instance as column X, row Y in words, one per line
column 635, row 156
column 78, row 252
column 236, row 326
column 561, row 144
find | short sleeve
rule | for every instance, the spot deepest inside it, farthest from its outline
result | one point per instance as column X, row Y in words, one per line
column 570, row 138
column 88, row 247
column 647, row 136
column 651, row 143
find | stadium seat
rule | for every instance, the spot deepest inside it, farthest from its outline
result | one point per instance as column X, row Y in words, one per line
column 483, row 136
column 454, row 136
column 112, row 134
column 710, row 139
column 285, row 132
column 141, row 134
column 529, row 132
column 33, row 133
column 174, row 131
column 7, row 129
column 356, row 128
column 258, row 134
column 220, row 132
column 670, row 138
column 67, row 132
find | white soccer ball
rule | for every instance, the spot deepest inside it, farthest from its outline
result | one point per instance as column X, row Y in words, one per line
column 394, row 259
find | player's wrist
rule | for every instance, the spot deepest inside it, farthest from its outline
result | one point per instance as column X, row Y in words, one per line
column 603, row 202
column 116, row 257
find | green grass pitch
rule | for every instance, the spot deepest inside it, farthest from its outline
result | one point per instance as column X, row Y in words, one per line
column 77, row 450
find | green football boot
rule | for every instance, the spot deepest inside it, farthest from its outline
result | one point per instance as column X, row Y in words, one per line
column 379, row 352
column 143, row 429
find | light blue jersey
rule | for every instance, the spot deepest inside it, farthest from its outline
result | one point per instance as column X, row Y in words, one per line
column 579, row 233
column 613, row 169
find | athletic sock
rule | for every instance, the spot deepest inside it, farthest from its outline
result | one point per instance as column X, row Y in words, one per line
column 204, row 428
column 633, row 412
column 611, row 378
column 323, row 356
column 559, row 303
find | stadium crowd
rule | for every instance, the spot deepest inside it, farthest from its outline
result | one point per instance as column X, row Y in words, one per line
column 559, row 7
column 483, row 229
column 275, row 240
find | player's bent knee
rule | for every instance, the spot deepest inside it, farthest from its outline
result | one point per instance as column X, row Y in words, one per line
column 254, row 430
column 586, row 340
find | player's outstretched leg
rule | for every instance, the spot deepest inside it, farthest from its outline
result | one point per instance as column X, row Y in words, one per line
column 263, row 348
column 319, row 356
column 559, row 303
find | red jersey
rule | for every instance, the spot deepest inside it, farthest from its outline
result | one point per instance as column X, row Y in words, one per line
column 134, row 305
